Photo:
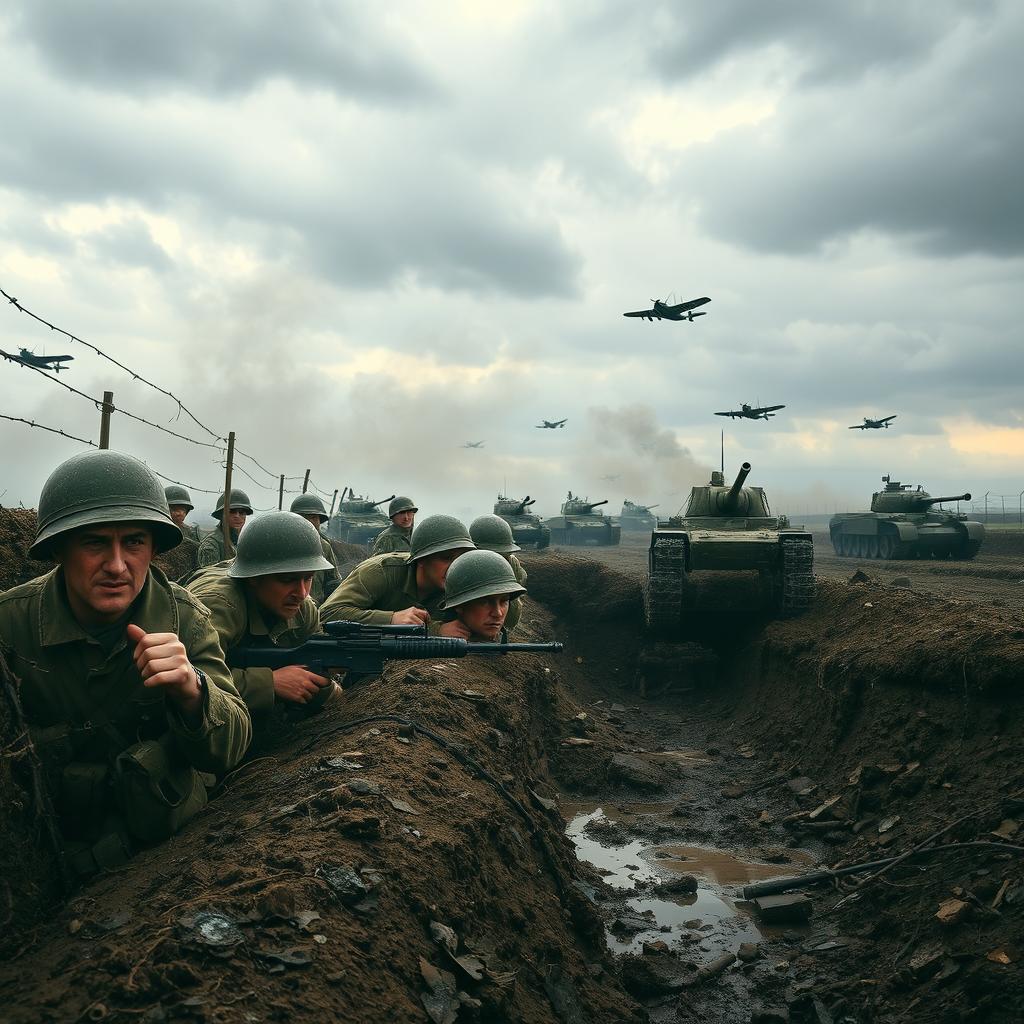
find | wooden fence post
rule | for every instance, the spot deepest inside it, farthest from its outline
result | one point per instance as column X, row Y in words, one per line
column 105, row 410
column 229, row 549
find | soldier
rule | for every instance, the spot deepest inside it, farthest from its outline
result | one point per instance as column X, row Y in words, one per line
column 211, row 547
column 479, row 592
column 261, row 599
column 492, row 533
column 180, row 503
column 123, row 682
column 310, row 507
column 396, row 537
column 404, row 588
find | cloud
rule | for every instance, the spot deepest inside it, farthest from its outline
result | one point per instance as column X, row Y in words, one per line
column 224, row 48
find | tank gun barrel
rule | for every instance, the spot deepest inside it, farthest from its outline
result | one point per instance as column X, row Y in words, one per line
column 949, row 497
column 524, row 505
column 732, row 499
column 591, row 505
column 382, row 500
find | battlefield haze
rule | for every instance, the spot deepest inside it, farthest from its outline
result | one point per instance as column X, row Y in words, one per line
column 359, row 237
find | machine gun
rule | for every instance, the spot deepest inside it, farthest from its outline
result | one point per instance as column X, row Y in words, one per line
column 362, row 649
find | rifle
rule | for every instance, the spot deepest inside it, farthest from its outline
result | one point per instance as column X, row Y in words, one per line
column 362, row 649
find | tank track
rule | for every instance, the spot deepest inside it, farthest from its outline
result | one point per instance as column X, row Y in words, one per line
column 798, row 586
column 665, row 586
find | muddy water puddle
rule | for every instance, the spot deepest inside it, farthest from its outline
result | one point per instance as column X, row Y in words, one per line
column 704, row 924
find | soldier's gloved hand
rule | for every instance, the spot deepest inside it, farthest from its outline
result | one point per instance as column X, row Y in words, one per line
column 411, row 617
column 162, row 660
column 297, row 684
column 455, row 628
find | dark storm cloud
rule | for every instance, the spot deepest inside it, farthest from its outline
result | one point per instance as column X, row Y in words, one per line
column 929, row 153
column 231, row 46
column 820, row 42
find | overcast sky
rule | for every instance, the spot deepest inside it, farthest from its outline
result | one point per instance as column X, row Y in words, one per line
column 362, row 235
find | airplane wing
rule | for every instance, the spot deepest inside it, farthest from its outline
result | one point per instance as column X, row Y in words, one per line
column 858, row 426
column 692, row 304
column 57, row 359
column 642, row 312
column 731, row 415
column 769, row 408
column 888, row 419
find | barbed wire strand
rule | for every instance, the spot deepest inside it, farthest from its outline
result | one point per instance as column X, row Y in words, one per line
column 135, row 376
column 85, row 440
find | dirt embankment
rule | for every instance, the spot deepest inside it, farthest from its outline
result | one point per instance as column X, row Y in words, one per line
column 358, row 870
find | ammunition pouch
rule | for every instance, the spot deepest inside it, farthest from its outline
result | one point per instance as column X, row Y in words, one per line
column 85, row 790
column 155, row 793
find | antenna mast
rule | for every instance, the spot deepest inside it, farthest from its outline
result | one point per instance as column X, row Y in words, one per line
column 723, row 452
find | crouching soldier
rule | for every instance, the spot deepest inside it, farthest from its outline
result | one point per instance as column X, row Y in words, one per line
column 404, row 588
column 398, row 536
column 492, row 533
column 479, row 592
column 261, row 599
column 211, row 547
column 123, row 680
column 179, row 501
column 310, row 507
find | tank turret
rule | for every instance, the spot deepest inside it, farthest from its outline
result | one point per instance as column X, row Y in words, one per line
column 580, row 523
column 716, row 500
column 358, row 519
column 898, row 497
column 527, row 527
column 574, row 505
column 637, row 518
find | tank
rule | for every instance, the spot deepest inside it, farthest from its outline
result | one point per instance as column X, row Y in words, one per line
column 580, row 523
column 527, row 528
column 637, row 518
column 358, row 520
column 904, row 523
column 726, row 553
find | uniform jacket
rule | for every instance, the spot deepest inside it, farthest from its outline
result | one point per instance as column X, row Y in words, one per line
column 377, row 587
column 515, row 606
column 325, row 581
column 394, row 538
column 191, row 532
column 211, row 547
column 239, row 621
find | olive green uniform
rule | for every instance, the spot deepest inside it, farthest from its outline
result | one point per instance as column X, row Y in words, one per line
column 325, row 582
column 126, row 759
column 240, row 622
column 515, row 606
column 376, row 588
column 394, row 538
column 211, row 547
column 191, row 532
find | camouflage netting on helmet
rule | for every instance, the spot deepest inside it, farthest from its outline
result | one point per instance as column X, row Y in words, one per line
column 348, row 555
column 17, row 531
column 180, row 561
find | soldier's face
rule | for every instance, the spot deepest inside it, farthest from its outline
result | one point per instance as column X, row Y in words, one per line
column 178, row 513
column 282, row 594
column 312, row 518
column 104, row 568
column 433, row 569
column 404, row 520
column 485, row 616
column 236, row 518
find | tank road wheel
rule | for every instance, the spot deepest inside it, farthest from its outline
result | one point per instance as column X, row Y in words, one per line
column 665, row 586
column 873, row 547
column 797, row 590
column 886, row 545
column 545, row 540
column 969, row 549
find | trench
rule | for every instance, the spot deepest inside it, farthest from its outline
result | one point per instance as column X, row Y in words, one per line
column 333, row 857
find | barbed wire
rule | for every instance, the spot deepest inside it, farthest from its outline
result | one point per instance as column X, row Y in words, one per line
column 85, row 440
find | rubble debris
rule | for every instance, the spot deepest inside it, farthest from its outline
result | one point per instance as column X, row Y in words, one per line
column 785, row 909
column 711, row 970
column 635, row 771
column 952, row 911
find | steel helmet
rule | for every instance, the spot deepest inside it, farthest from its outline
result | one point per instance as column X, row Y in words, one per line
column 278, row 542
column 438, row 533
column 492, row 533
column 239, row 503
column 479, row 574
column 309, row 504
column 102, row 487
column 178, row 495
column 401, row 504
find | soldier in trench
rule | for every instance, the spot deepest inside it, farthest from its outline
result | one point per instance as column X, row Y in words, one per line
column 211, row 547
column 123, row 682
column 397, row 537
column 179, row 501
column 479, row 591
column 310, row 507
column 404, row 588
column 492, row 533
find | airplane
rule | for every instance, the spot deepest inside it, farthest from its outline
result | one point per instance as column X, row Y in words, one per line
column 611, row 479
column 870, row 424
column 27, row 358
column 551, row 424
column 473, row 444
column 663, row 311
column 750, row 412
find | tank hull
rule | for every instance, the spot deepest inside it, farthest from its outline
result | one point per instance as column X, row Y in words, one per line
column 726, row 567
column 897, row 536
column 638, row 524
column 356, row 529
column 528, row 530
column 580, row 531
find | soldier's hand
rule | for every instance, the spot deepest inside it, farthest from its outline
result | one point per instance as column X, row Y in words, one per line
column 162, row 660
column 455, row 628
column 297, row 684
column 410, row 617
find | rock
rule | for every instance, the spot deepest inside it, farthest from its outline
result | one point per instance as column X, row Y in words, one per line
column 576, row 741
column 952, row 911
column 656, row 948
column 925, row 962
column 859, row 577
column 780, row 1016
column 887, row 824
column 683, row 885
column 901, row 581
column 748, row 952
column 441, row 1001
column 632, row 922
column 785, row 909
column 364, row 787
column 733, row 792
column 444, row 935
column 635, row 771
column 801, row 786
column 646, row 976
column 765, row 818
column 824, row 810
